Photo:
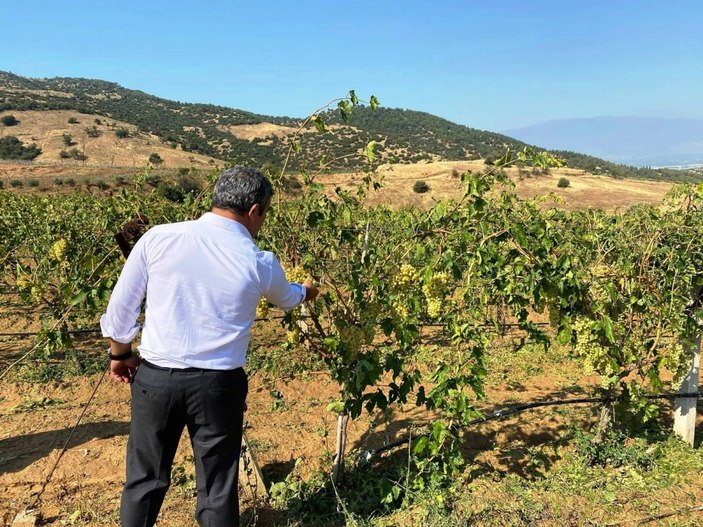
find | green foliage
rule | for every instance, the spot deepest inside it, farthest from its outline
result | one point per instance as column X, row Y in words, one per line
column 13, row 148
column 420, row 187
column 16, row 183
column 33, row 182
column 70, row 182
column 122, row 133
column 72, row 120
column 58, row 181
column 563, row 182
column 9, row 120
column 155, row 159
column 615, row 449
column 67, row 139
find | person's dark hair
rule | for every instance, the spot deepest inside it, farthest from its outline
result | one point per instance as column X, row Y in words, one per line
column 239, row 188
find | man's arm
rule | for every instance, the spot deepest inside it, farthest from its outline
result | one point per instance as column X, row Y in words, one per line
column 123, row 370
column 119, row 323
column 282, row 293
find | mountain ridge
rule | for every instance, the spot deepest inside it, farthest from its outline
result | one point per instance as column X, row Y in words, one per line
column 403, row 136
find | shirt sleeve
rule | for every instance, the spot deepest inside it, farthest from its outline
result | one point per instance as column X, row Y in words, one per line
column 120, row 320
column 276, row 287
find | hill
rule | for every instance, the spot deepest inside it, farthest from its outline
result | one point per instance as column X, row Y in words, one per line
column 641, row 141
column 232, row 135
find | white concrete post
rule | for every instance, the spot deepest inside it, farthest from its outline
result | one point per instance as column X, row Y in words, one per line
column 685, row 408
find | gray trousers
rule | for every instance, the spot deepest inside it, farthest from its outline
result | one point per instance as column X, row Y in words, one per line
column 164, row 401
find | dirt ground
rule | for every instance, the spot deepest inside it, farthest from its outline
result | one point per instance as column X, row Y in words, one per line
column 290, row 434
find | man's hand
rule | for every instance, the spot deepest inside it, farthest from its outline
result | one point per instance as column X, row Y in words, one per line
column 311, row 291
column 124, row 370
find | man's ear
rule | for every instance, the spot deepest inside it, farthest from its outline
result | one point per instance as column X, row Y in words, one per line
column 255, row 210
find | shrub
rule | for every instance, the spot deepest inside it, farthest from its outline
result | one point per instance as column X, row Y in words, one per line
column 169, row 192
column 93, row 131
column 120, row 180
column 420, row 187
column 121, row 133
column 188, row 186
column 98, row 121
column 101, row 184
column 455, row 173
column 33, row 182
column 563, row 183
column 64, row 155
column 67, row 139
column 70, row 182
column 291, row 183
column 155, row 159
column 16, row 183
column 13, row 148
column 77, row 155
column 2, row 184
column 9, row 120
column 72, row 120
column 58, row 181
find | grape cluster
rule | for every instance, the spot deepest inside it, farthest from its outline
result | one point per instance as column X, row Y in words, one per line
column 406, row 276
column 293, row 336
column 352, row 337
column 23, row 281
column 677, row 362
column 262, row 308
column 58, row 250
column 297, row 274
column 596, row 357
column 435, row 290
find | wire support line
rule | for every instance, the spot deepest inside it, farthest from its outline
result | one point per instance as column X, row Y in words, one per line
column 367, row 455
column 37, row 498
column 278, row 317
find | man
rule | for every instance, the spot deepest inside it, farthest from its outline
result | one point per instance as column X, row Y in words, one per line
column 202, row 280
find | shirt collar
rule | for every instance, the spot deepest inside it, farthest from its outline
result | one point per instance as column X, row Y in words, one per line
column 225, row 223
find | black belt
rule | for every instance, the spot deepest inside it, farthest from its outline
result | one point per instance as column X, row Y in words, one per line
column 155, row 367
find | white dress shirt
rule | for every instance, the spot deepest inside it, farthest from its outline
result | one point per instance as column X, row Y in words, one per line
column 203, row 280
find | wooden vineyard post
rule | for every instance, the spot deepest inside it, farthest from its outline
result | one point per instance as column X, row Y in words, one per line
column 338, row 468
column 685, row 409
column 250, row 475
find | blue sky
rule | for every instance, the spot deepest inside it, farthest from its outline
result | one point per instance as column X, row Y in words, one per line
column 487, row 64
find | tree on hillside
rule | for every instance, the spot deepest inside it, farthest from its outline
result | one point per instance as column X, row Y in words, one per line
column 67, row 139
column 155, row 159
column 13, row 148
column 9, row 120
column 93, row 131
column 121, row 133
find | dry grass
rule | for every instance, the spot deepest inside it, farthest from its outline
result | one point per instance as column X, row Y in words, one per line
column 585, row 189
column 46, row 129
column 107, row 155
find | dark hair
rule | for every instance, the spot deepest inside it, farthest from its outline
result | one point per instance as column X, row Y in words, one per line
column 239, row 188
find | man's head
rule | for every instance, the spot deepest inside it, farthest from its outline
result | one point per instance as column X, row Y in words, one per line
column 246, row 193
